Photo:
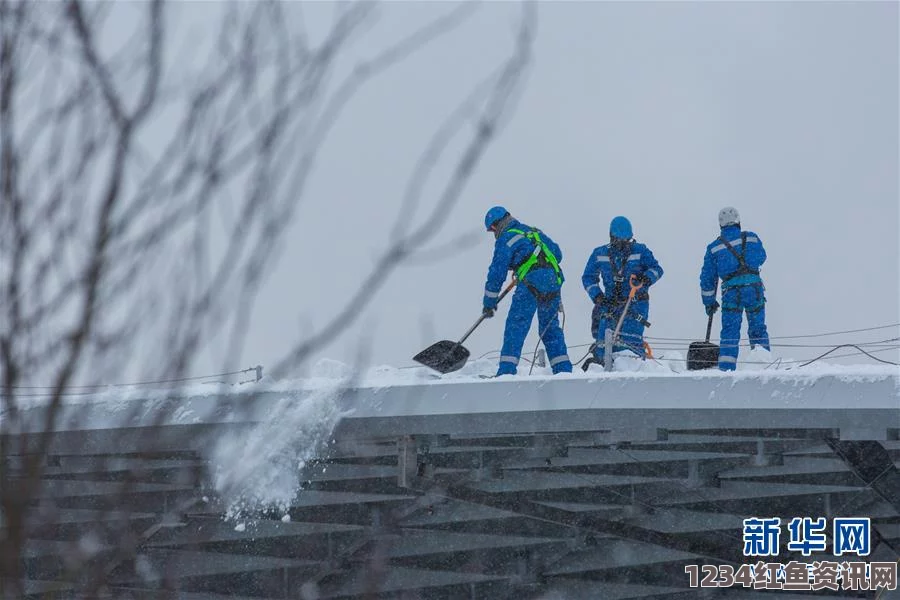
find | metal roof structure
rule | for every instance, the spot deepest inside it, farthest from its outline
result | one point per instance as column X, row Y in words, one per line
column 581, row 487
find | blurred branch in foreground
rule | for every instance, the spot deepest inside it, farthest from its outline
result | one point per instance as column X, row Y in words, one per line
column 120, row 252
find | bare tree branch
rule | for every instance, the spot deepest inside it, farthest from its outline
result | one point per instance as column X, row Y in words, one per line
column 402, row 248
column 86, row 37
column 446, row 250
column 109, row 243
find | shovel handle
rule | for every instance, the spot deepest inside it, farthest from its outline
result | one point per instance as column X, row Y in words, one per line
column 511, row 285
column 709, row 324
column 634, row 286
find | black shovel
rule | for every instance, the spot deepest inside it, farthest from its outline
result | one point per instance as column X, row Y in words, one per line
column 447, row 356
column 703, row 355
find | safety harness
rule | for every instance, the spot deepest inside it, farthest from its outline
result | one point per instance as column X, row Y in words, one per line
column 598, row 314
column 540, row 257
column 743, row 269
column 619, row 292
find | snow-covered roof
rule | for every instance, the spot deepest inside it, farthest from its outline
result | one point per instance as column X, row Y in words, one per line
column 582, row 485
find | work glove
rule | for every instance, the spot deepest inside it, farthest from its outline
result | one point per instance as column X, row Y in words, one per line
column 488, row 312
column 644, row 280
column 712, row 308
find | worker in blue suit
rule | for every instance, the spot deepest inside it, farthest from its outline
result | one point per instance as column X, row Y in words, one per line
column 735, row 257
column 614, row 264
column 534, row 259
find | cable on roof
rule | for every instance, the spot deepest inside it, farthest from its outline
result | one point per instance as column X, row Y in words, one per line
column 101, row 386
column 877, row 346
column 795, row 337
column 823, row 355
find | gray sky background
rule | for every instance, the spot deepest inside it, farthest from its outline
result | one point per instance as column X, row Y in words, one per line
column 661, row 111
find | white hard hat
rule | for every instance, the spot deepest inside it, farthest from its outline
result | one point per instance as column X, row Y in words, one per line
column 729, row 216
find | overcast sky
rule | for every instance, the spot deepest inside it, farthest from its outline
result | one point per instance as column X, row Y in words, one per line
column 663, row 112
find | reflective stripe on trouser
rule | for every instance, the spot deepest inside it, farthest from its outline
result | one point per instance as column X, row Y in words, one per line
column 632, row 331
column 736, row 301
column 559, row 359
column 518, row 322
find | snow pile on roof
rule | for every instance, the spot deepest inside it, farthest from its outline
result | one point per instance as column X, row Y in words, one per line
column 330, row 375
column 259, row 468
column 755, row 363
column 256, row 464
column 266, row 473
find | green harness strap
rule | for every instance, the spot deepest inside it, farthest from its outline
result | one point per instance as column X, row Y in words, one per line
column 539, row 248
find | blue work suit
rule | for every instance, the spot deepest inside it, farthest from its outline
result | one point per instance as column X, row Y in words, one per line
column 742, row 290
column 539, row 292
column 615, row 264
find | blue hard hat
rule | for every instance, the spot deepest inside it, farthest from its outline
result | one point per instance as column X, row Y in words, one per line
column 620, row 227
column 494, row 215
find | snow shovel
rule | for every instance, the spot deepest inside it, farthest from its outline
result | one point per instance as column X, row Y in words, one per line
column 703, row 355
column 447, row 356
column 634, row 288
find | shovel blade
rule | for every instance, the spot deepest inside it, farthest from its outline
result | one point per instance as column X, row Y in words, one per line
column 444, row 357
column 702, row 355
